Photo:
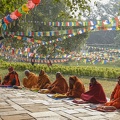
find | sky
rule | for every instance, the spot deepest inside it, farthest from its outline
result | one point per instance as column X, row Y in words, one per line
column 94, row 7
column 102, row 1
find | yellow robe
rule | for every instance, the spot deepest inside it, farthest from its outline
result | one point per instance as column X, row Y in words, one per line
column 30, row 81
column 43, row 81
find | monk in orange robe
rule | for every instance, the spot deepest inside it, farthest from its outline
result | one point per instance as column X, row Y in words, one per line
column 95, row 94
column 115, row 96
column 31, row 79
column 43, row 81
column 76, row 87
column 59, row 85
column 12, row 78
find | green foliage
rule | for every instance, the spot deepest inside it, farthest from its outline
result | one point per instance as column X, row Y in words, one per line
column 76, row 5
column 89, row 71
column 7, row 6
column 46, row 11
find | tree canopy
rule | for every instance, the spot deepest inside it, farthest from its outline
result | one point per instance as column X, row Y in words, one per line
column 7, row 6
column 46, row 11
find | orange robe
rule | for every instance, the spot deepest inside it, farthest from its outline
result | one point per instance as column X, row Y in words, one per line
column 77, row 89
column 115, row 98
column 59, row 86
column 9, row 78
column 30, row 81
column 43, row 81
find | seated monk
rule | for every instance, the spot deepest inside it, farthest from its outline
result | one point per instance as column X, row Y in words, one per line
column 11, row 78
column 59, row 85
column 95, row 94
column 115, row 96
column 31, row 79
column 43, row 81
column 76, row 87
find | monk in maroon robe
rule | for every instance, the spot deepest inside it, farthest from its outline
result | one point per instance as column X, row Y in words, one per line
column 114, row 102
column 95, row 94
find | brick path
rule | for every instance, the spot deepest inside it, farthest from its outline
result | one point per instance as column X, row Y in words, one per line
column 18, row 104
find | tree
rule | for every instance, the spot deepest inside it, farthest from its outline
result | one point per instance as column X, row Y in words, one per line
column 102, row 11
column 74, row 5
column 47, row 11
column 7, row 6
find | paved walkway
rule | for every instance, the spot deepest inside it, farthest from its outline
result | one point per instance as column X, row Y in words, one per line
column 18, row 104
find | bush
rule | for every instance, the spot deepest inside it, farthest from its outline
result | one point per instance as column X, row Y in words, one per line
column 90, row 71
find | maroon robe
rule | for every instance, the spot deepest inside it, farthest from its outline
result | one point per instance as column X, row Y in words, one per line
column 96, row 94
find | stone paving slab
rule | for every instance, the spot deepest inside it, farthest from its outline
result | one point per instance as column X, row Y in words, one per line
column 17, row 117
column 44, row 114
column 78, row 115
column 98, row 117
column 7, row 109
column 57, row 108
column 52, row 118
column 36, row 108
column 12, row 112
column 68, row 116
column 18, row 104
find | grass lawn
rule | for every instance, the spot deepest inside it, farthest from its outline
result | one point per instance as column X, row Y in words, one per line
column 108, row 85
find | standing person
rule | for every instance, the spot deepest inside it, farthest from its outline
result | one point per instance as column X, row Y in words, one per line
column 11, row 78
column 49, row 63
column 30, row 80
column 32, row 60
column 76, row 87
column 43, row 81
column 95, row 94
column 59, row 85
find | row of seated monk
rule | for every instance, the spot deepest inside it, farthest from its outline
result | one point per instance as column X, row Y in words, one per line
column 75, row 89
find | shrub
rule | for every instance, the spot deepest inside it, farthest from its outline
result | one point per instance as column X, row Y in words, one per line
column 90, row 71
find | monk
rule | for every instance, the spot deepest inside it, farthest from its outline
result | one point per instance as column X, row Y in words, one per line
column 95, row 94
column 76, row 87
column 43, row 81
column 11, row 78
column 114, row 102
column 59, row 85
column 31, row 79
column 115, row 97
